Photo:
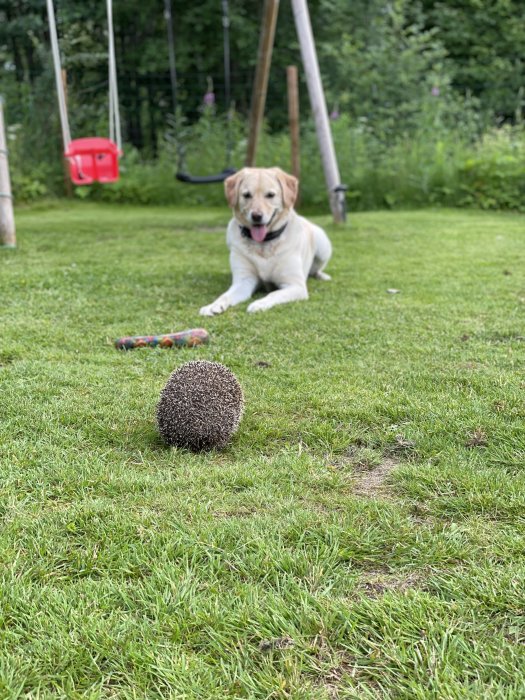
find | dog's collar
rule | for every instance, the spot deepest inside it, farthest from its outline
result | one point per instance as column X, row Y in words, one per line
column 270, row 236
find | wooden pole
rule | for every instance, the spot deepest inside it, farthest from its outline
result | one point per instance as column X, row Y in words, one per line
column 293, row 118
column 68, row 185
column 260, row 84
column 320, row 112
column 7, row 217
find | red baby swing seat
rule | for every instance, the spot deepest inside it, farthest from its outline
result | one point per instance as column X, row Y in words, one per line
column 92, row 159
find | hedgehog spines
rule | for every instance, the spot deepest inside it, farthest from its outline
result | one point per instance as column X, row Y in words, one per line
column 200, row 407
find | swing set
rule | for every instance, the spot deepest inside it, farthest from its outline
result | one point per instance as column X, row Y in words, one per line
column 182, row 174
column 96, row 159
column 93, row 158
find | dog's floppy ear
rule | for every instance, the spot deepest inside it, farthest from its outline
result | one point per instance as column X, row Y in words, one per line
column 231, row 188
column 289, row 185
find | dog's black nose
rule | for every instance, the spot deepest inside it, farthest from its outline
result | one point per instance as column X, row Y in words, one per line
column 256, row 218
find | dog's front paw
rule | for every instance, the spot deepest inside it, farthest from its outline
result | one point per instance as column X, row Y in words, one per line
column 217, row 307
column 320, row 275
column 206, row 310
column 259, row 305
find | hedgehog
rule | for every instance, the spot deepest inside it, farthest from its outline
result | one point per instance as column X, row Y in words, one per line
column 200, row 407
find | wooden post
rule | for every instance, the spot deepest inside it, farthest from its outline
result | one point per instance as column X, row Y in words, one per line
column 7, row 217
column 260, row 84
column 293, row 118
column 320, row 112
column 68, row 185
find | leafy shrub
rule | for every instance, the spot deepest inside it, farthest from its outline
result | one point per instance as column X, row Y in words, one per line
column 493, row 177
column 27, row 189
column 442, row 160
column 430, row 166
column 28, row 182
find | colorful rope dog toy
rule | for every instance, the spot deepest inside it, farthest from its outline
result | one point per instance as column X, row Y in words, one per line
column 189, row 338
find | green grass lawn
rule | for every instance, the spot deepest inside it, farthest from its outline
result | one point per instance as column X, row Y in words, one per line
column 361, row 537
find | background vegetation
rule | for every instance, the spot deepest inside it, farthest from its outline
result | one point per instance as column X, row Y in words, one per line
column 427, row 97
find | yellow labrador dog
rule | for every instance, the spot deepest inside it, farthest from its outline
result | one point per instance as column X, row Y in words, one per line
column 271, row 246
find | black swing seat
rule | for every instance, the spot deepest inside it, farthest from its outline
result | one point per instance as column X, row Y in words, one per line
column 205, row 179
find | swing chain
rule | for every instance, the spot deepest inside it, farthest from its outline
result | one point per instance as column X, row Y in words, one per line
column 175, row 136
column 114, row 116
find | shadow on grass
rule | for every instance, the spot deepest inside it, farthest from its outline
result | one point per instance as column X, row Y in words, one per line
column 144, row 437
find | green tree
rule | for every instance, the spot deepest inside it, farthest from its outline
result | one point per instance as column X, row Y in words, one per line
column 485, row 40
column 384, row 68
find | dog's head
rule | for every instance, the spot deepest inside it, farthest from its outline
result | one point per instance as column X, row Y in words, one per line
column 261, row 198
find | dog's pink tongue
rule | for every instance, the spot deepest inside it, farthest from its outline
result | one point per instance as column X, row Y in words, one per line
column 258, row 233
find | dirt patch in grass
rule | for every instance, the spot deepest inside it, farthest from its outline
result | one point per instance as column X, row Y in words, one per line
column 263, row 364
column 277, row 643
column 332, row 666
column 370, row 482
column 369, row 470
column 235, row 513
column 335, row 669
column 332, row 679
column 420, row 515
column 377, row 583
column 401, row 444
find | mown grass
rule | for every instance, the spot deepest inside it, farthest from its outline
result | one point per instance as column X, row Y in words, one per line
column 132, row 570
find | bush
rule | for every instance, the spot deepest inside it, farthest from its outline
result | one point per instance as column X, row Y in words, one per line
column 28, row 182
column 493, row 177
column 442, row 160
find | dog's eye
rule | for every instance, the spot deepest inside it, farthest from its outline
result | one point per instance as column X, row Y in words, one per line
column 270, row 195
column 246, row 195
